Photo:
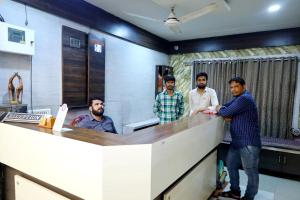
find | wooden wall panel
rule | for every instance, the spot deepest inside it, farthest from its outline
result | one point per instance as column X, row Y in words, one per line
column 74, row 68
column 96, row 66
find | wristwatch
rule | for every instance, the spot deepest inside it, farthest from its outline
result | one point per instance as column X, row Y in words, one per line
column 295, row 132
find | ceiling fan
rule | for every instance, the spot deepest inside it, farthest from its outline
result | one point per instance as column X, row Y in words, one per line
column 173, row 22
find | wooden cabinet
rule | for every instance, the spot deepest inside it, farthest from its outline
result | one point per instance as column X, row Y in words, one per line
column 198, row 183
column 290, row 163
column 272, row 159
column 283, row 161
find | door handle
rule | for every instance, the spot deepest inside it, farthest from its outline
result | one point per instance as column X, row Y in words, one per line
column 279, row 159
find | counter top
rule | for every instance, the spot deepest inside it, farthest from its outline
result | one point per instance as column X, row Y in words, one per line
column 144, row 136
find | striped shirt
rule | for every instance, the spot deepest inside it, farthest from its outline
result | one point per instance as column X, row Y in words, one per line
column 168, row 108
column 244, row 128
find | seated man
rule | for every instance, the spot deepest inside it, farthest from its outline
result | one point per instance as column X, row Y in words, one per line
column 96, row 120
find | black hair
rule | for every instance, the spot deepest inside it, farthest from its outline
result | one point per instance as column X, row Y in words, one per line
column 1, row 18
column 167, row 71
column 237, row 80
column 202, row 74
column 169, row 77
column 94, row 98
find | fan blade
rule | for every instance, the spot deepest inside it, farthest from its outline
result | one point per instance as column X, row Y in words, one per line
column 226, row 5
column 143, row 17
column 203, row 11
column 168, row 3
column 175, row 29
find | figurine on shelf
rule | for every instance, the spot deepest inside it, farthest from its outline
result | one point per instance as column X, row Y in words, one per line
column 15, row 94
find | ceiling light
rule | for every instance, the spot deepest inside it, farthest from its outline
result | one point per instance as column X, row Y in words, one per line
column 274, row 8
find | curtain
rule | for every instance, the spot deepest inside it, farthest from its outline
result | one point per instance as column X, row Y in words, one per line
column 271, row 81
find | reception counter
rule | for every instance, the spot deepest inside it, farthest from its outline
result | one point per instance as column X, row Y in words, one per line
column 83, row 164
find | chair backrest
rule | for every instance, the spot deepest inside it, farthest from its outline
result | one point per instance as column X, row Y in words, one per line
column 76, row 120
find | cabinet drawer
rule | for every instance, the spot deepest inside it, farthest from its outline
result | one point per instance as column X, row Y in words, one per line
column 291, row 163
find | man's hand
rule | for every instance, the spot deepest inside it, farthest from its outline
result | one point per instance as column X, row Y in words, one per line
column 195, row 112
column 201, row 109
column 218, row 107
column 227, row 119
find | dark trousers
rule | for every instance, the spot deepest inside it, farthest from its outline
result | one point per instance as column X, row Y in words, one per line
column 248, row 156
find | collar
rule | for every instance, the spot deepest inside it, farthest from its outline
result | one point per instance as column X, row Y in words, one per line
column 166, row 92
column 205, row 89
column 93, row 119
column 245, row 92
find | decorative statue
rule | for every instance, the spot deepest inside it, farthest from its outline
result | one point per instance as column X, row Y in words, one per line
column 15, row 94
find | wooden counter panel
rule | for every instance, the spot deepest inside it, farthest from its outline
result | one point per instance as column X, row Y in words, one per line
column 9, row 174
column 150, row 160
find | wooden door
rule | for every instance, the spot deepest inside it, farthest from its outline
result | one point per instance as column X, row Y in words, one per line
column 161, row 71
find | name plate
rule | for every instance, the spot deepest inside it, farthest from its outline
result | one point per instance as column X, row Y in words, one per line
column 2, row 115
column 22, row 117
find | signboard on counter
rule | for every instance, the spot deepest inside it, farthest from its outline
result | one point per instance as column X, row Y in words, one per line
column 22, row 117
column 60, row 118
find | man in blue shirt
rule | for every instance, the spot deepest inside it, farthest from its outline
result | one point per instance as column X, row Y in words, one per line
column 246, row 144
column 96, row 120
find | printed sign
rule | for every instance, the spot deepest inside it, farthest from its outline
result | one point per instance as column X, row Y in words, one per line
column 98, row 48
column 60, row 118
column 23, row 117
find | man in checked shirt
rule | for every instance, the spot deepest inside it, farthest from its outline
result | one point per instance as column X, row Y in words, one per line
column 169, row 105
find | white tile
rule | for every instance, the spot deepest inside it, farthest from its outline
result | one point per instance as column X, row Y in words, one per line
column 272, row 187
column 261, row 195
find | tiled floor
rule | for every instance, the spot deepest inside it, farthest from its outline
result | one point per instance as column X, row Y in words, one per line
column 261, row 195
column 273, row 188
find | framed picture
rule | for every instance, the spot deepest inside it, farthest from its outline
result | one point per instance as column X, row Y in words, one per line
column 161, row 72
